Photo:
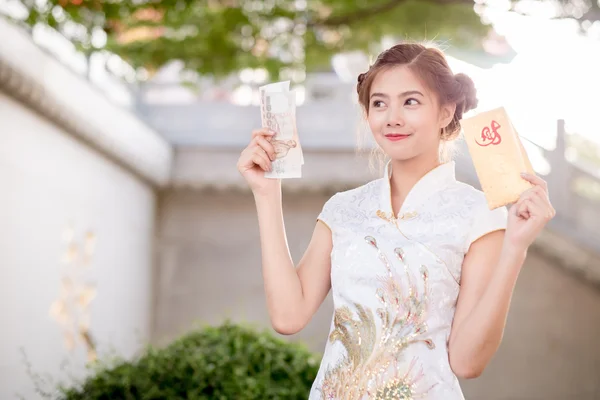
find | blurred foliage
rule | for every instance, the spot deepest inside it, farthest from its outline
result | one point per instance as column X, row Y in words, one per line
column 586, row 155
column 217, row 37
column 226, row 362
column 587, row 187
column 587, row 151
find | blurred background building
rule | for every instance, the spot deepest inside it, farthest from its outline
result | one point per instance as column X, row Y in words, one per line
column 124, row 220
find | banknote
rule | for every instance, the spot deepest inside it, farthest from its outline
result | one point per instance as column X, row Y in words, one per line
column 278, row 113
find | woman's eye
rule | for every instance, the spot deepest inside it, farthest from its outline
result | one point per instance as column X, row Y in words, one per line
column 378, row 103
column 412, row 102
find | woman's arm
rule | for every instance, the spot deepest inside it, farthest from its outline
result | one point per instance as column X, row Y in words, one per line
column 489, row 274
column 293, row 294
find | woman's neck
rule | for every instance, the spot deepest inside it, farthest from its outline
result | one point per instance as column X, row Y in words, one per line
column 405, row 175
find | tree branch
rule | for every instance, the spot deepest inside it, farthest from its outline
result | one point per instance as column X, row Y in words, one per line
column 593, row 14
column 338, row 20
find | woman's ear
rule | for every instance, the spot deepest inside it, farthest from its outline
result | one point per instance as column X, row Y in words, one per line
column 447, row 114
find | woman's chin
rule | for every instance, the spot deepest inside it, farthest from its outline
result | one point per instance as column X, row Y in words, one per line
column 398, row 154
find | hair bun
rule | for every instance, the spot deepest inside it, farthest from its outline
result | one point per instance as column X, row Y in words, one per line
column 361, row 78
column 467, row 87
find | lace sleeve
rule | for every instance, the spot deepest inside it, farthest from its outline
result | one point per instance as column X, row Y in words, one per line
column 486, row 221
column 326, row 215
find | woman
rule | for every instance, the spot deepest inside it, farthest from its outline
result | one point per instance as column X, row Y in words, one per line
column 422, row 271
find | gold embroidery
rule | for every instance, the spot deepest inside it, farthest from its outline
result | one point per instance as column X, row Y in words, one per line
column 409, row 215
column 372, row 366
column 390, row 217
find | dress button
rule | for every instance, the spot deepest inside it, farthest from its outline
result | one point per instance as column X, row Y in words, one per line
column 408, row 215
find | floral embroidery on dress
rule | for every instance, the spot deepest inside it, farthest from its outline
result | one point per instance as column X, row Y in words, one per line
column 389, row 334
column 373, row 365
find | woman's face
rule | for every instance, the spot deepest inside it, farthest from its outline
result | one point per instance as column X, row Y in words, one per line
column 404, row 115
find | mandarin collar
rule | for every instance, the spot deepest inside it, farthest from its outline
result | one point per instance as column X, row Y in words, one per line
column 431, row 183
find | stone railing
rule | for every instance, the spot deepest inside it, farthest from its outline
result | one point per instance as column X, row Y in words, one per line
column 577, row 214
column 578, row 211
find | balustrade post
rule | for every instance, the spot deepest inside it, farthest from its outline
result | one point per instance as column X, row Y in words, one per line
column 559, row 181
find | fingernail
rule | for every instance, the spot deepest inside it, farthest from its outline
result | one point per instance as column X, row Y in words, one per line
column 524, row 174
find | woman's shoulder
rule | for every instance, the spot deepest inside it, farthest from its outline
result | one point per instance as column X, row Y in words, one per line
column 350, row 205
column 467, row 195
column 476, row 214
column 358, row 195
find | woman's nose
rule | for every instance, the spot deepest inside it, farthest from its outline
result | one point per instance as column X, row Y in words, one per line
column 395, row 118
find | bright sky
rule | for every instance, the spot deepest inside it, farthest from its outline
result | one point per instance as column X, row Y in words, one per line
column 556, row 74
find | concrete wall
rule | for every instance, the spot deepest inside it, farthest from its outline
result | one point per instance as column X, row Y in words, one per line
column 209, row 269
column 50, row 180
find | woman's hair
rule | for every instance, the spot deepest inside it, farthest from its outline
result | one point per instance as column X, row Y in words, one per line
column 430, row 65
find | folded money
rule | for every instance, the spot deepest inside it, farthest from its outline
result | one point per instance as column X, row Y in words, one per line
column 278, row 113
column 498, row 156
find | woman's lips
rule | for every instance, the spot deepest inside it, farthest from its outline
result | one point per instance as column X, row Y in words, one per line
column 394, row 137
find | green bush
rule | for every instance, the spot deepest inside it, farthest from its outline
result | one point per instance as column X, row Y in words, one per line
column 225, row 362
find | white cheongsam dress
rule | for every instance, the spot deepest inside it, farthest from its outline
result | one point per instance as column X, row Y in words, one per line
column 395, row 282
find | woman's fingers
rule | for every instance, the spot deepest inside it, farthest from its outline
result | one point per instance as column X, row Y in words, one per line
column 535, row 202
column 521, row 209
column 265, row 146
column 260, row 158
column 253, row 156
column 535, row 180
column 262, row 132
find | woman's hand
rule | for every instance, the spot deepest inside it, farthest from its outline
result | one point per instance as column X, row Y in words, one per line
column 529, row 215
column 256, row 159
